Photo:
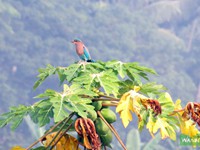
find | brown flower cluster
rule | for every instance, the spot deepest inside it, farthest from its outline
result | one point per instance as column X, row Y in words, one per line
column 154, row 105
column 192, row 111
column 86, row 129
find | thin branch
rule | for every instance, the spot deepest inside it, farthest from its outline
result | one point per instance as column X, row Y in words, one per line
column 106, row 99
column 116, row 133
column 41, row 138
column 114, row 102
column 115, row 105
column 69, row 117
column 176, row 111
column 111, row 128
column 110, row 97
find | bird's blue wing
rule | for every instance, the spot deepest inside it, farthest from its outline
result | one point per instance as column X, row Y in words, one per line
column 82, row 57
column 87, row 54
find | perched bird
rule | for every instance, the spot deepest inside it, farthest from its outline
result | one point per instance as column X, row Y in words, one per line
column 82, row 50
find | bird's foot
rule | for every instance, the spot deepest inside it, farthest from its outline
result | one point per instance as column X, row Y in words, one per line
column 82, row 62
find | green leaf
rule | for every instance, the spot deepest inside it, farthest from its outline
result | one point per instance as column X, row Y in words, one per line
column 136, row 72
column 82, row 91
column 39, row 148
column 72, row 71
column 79, row 105
column 42, row 112
column 59, row 110
column 166, row 103
column 15, row 116
column 118, row 66
column 16, row 121
column 125, row 86
column 76, row 70
column 162, row 124
column 151, row 88
column 44, row 73
column 62, row 76
column 134, row 76
column 109, row 82
column 96, row 67
column 144, row 115
column 59, row 104
column 106, row 79
column 86, row 80
column 46, row 94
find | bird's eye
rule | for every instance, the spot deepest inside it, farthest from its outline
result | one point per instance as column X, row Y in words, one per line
column 75, row 40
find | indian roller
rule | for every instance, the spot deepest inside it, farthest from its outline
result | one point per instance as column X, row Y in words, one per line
column 82, row 50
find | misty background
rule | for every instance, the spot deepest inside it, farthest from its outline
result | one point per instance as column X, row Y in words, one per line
column 161, row 34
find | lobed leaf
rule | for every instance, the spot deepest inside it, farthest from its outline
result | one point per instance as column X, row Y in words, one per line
column 166, row 103
column 152, row 89
column 117, row 66
column 66, row 142
column 58, row 105
column 42, row 112
column 128, row 103
column 85, row 71
column 43, row 74
column 162, row 124
column 15, row 116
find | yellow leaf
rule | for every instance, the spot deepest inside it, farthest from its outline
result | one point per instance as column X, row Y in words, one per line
column 71, row 143
column 17, row 148
column 177, row 105
column 128, row 103
column 126, row 116
column 136, row 88
column 150, row 125
column 187, row 127
column 166, row 130
column 67, row 142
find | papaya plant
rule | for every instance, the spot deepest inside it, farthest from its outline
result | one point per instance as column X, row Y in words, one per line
column 84, row 106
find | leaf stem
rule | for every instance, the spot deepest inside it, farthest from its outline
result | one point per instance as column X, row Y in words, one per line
column 176, row 111
column 105, row 99
column 115, row 105
column 41, row 138
column 68, row 118
column 113, row 130
column 113, row 98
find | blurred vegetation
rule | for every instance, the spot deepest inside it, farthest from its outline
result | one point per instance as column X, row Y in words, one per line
column 161, row 34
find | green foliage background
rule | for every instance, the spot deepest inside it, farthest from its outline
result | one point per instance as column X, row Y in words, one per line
column 163, row 35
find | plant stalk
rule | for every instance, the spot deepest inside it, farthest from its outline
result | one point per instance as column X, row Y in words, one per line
column 113, row 130
column 105, row 99
column 41, row 138
column 110, row 97
column 68, row 118
column 176, row 111
column 109, row 105
column 61, row 136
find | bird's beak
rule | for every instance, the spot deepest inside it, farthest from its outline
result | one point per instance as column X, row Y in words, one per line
column 73, row 42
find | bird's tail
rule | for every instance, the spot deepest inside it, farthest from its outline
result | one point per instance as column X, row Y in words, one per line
column 91, row 60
